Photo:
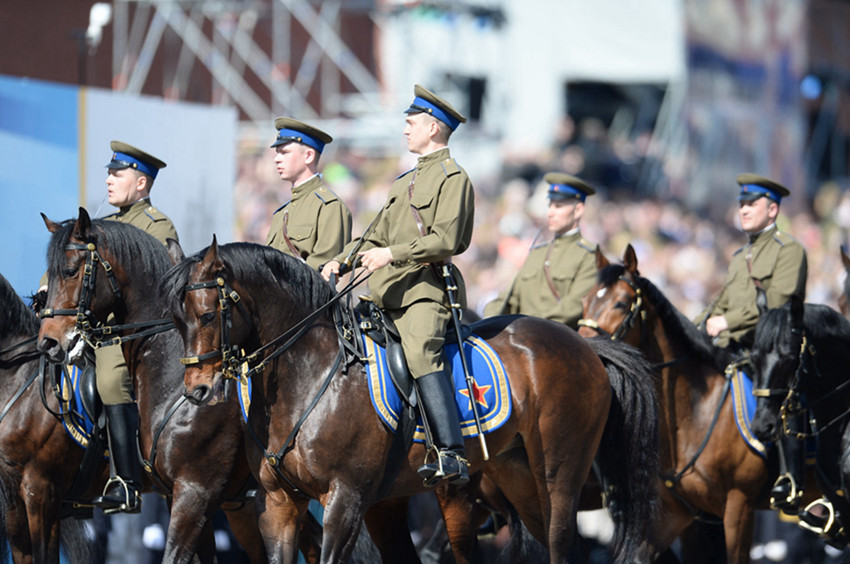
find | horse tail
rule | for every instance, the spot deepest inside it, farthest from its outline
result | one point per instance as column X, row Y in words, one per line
column 79, row 542
column 628, row 458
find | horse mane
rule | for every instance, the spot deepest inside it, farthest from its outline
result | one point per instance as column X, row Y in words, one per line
column 260, row 263
column 136, row 250
column 15, row 317
column 822, row 325
column 678, row 326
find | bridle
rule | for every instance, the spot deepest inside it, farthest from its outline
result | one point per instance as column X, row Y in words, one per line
column 636, row 311
column 793, row 401
column 90, row 329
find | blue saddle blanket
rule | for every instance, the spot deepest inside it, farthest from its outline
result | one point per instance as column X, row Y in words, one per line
column 490, row 389
column 745, row 408
column 74, row 418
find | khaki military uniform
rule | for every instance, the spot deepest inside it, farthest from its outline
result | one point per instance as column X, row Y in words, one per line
column 571, row 262
column 779, row 263
column 316, row 221
column 113, row 379
column 410, row 289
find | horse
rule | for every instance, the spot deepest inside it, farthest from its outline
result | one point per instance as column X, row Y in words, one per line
column 844, row 298
column 800, row 357
column 193, row 454
column 37, row 456
column 333, row 447
column 708, row 467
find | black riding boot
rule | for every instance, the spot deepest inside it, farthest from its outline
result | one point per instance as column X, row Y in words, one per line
column 437, row 400
column 123, row 490
column 787, row 491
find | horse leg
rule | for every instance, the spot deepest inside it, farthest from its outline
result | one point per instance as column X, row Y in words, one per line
column 190, row 526
column 343, row 519
column 243, row 523
column 279, row 520
column 43, row 519
column 463, row 516
column 386, row 522
column 738, row 522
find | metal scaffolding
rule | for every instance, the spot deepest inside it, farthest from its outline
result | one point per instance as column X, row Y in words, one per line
column 220, row 36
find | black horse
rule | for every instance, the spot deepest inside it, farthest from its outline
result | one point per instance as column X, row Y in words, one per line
column 800, row 358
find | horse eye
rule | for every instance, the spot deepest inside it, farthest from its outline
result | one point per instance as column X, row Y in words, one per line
column 621, row 305
column 207, row 318
column 69, row 272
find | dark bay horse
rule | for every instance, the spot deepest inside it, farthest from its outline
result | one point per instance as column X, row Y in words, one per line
column 334, row 448
column 708, row 468
column 801, row 356
column 195, row 453
column 38, row 459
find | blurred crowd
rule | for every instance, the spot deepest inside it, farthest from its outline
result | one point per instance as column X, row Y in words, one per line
column 640, row 200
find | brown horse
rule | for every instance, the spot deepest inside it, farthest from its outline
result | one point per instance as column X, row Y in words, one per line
column 317, row 436
column 195, row 454
column 38, row 459
column 708, row 468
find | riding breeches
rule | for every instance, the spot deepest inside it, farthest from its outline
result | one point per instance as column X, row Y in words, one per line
column 114, row 384
column 422, row 327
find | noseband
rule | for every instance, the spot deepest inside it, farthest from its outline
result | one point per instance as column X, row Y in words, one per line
column 628, row 322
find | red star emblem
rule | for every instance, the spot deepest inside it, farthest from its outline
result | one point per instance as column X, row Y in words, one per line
column 478, row 393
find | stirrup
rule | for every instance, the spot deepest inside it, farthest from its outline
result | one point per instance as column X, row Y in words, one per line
column 125, row 506
column 825, row 526
column 434, row 472
column 786, row 485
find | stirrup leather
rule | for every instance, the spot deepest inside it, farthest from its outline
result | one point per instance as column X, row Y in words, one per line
column 792, row 499
column 126, row 506
column 827, row 527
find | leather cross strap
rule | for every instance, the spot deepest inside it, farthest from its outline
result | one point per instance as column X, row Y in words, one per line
column 549, row 274
column 295, row 252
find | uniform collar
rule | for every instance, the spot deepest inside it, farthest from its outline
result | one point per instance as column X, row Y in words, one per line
column 765, row 233
column 307, row 186
column 143, row 203
column 434, row 156
column 571, row 234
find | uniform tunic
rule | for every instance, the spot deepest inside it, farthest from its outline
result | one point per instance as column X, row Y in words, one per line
column 409, row 289
column 779, row 263
column 113, row 379
column 572, row 271
column 317, row 223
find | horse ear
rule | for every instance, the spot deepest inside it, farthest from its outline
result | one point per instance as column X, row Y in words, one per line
column 845, row 259
column 212, row 261
column 83, row 225
column 52, row 226
column 601, row 261
column 630, row 260
column 175, row 251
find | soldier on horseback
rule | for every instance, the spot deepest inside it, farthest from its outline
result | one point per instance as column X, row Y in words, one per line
column 775, row 262
column 130, row 177
column 427, row 219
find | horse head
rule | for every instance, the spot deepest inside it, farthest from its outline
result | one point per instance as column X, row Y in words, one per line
column 613, row 306
column 204, row 318
column 82, row 288
column 775, row 358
